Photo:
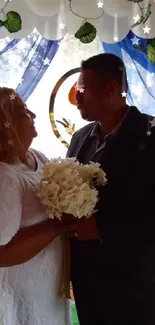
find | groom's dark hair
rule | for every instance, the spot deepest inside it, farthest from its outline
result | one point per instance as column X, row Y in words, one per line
column 108, row 66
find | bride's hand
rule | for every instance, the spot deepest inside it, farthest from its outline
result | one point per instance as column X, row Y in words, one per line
column 86, row 228
column 60, row 228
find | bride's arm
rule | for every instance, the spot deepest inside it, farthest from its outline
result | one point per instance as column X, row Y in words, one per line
column 28, row 242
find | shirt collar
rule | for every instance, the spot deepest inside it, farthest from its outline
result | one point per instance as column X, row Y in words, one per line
column 96, row 131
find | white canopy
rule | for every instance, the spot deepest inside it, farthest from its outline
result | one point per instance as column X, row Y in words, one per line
column 53, row 19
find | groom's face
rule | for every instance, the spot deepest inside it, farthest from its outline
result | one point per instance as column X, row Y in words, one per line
column 91, row 96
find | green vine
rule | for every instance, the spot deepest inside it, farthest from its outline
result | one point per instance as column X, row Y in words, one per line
column 145, row 13
column 149, row 48
column 12, row 20
column 87, row 32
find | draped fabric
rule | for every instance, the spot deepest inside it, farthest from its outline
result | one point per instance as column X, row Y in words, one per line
column 24, row 62
column 140, row 71
column 34, row 65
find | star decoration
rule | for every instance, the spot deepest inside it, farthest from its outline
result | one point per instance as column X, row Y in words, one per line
column 100, row 4
column 10, row 143
column 62, row 26
column 81, row 90
column 133, row 67
column 124, row 94
column 146, row 30
column 21, row 81
column 13, row 96
column 149, row 83
column 148, row 133
column 135, row 40
column 142, row 146
column 136, row 18
column 152, row 123
column 7, row 124
column 115, row 38
column 137, row 90
column 128, row 65
column 47, row 61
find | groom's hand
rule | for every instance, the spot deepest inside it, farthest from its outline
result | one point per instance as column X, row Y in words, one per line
column 86, row 228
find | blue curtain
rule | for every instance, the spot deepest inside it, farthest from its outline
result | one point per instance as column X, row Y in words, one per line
column 7, row 45
column 140, row 71
column 24, row 62
column 37, row 66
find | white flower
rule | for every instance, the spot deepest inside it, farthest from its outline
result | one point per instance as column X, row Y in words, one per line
column 68, row 187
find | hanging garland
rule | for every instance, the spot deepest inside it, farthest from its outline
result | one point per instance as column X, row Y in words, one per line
column 145, row 13
column 149, row 47
column 12, row 21
column 87, row 32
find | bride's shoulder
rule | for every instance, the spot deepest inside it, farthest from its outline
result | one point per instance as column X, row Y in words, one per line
column 39, row 156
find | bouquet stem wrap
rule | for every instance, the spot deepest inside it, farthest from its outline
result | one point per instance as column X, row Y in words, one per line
column 65, row 285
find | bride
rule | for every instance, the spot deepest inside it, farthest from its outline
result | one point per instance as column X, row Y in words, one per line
column 30, row 247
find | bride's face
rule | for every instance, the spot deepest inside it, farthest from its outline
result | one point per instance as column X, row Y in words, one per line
column 17, row 128
column 25, row 124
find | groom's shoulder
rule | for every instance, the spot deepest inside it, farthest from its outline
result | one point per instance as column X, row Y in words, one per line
column 84, row 130
column 78, row 137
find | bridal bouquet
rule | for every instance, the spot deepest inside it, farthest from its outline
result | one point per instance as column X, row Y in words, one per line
column 68, row 187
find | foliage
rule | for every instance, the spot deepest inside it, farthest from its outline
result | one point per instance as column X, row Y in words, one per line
column 86, row 33
column 145, row 12
column 150, row 49
column 12, row 23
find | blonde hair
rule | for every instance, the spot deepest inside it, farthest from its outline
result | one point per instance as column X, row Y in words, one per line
column 9, row 103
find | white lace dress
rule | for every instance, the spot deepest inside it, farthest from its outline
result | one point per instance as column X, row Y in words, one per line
column 28, row 292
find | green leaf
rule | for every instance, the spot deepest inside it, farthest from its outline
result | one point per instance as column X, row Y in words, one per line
column 151, row 41
column 13, row 22
column 151, row 53
column 139, row 47
column 86, row 33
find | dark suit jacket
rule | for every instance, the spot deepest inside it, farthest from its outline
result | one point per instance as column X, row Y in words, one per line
column 126, row 209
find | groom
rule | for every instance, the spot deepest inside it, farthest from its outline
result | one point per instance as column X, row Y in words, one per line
column 113, row 268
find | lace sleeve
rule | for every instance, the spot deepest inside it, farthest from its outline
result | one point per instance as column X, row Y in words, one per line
column 10, row 207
